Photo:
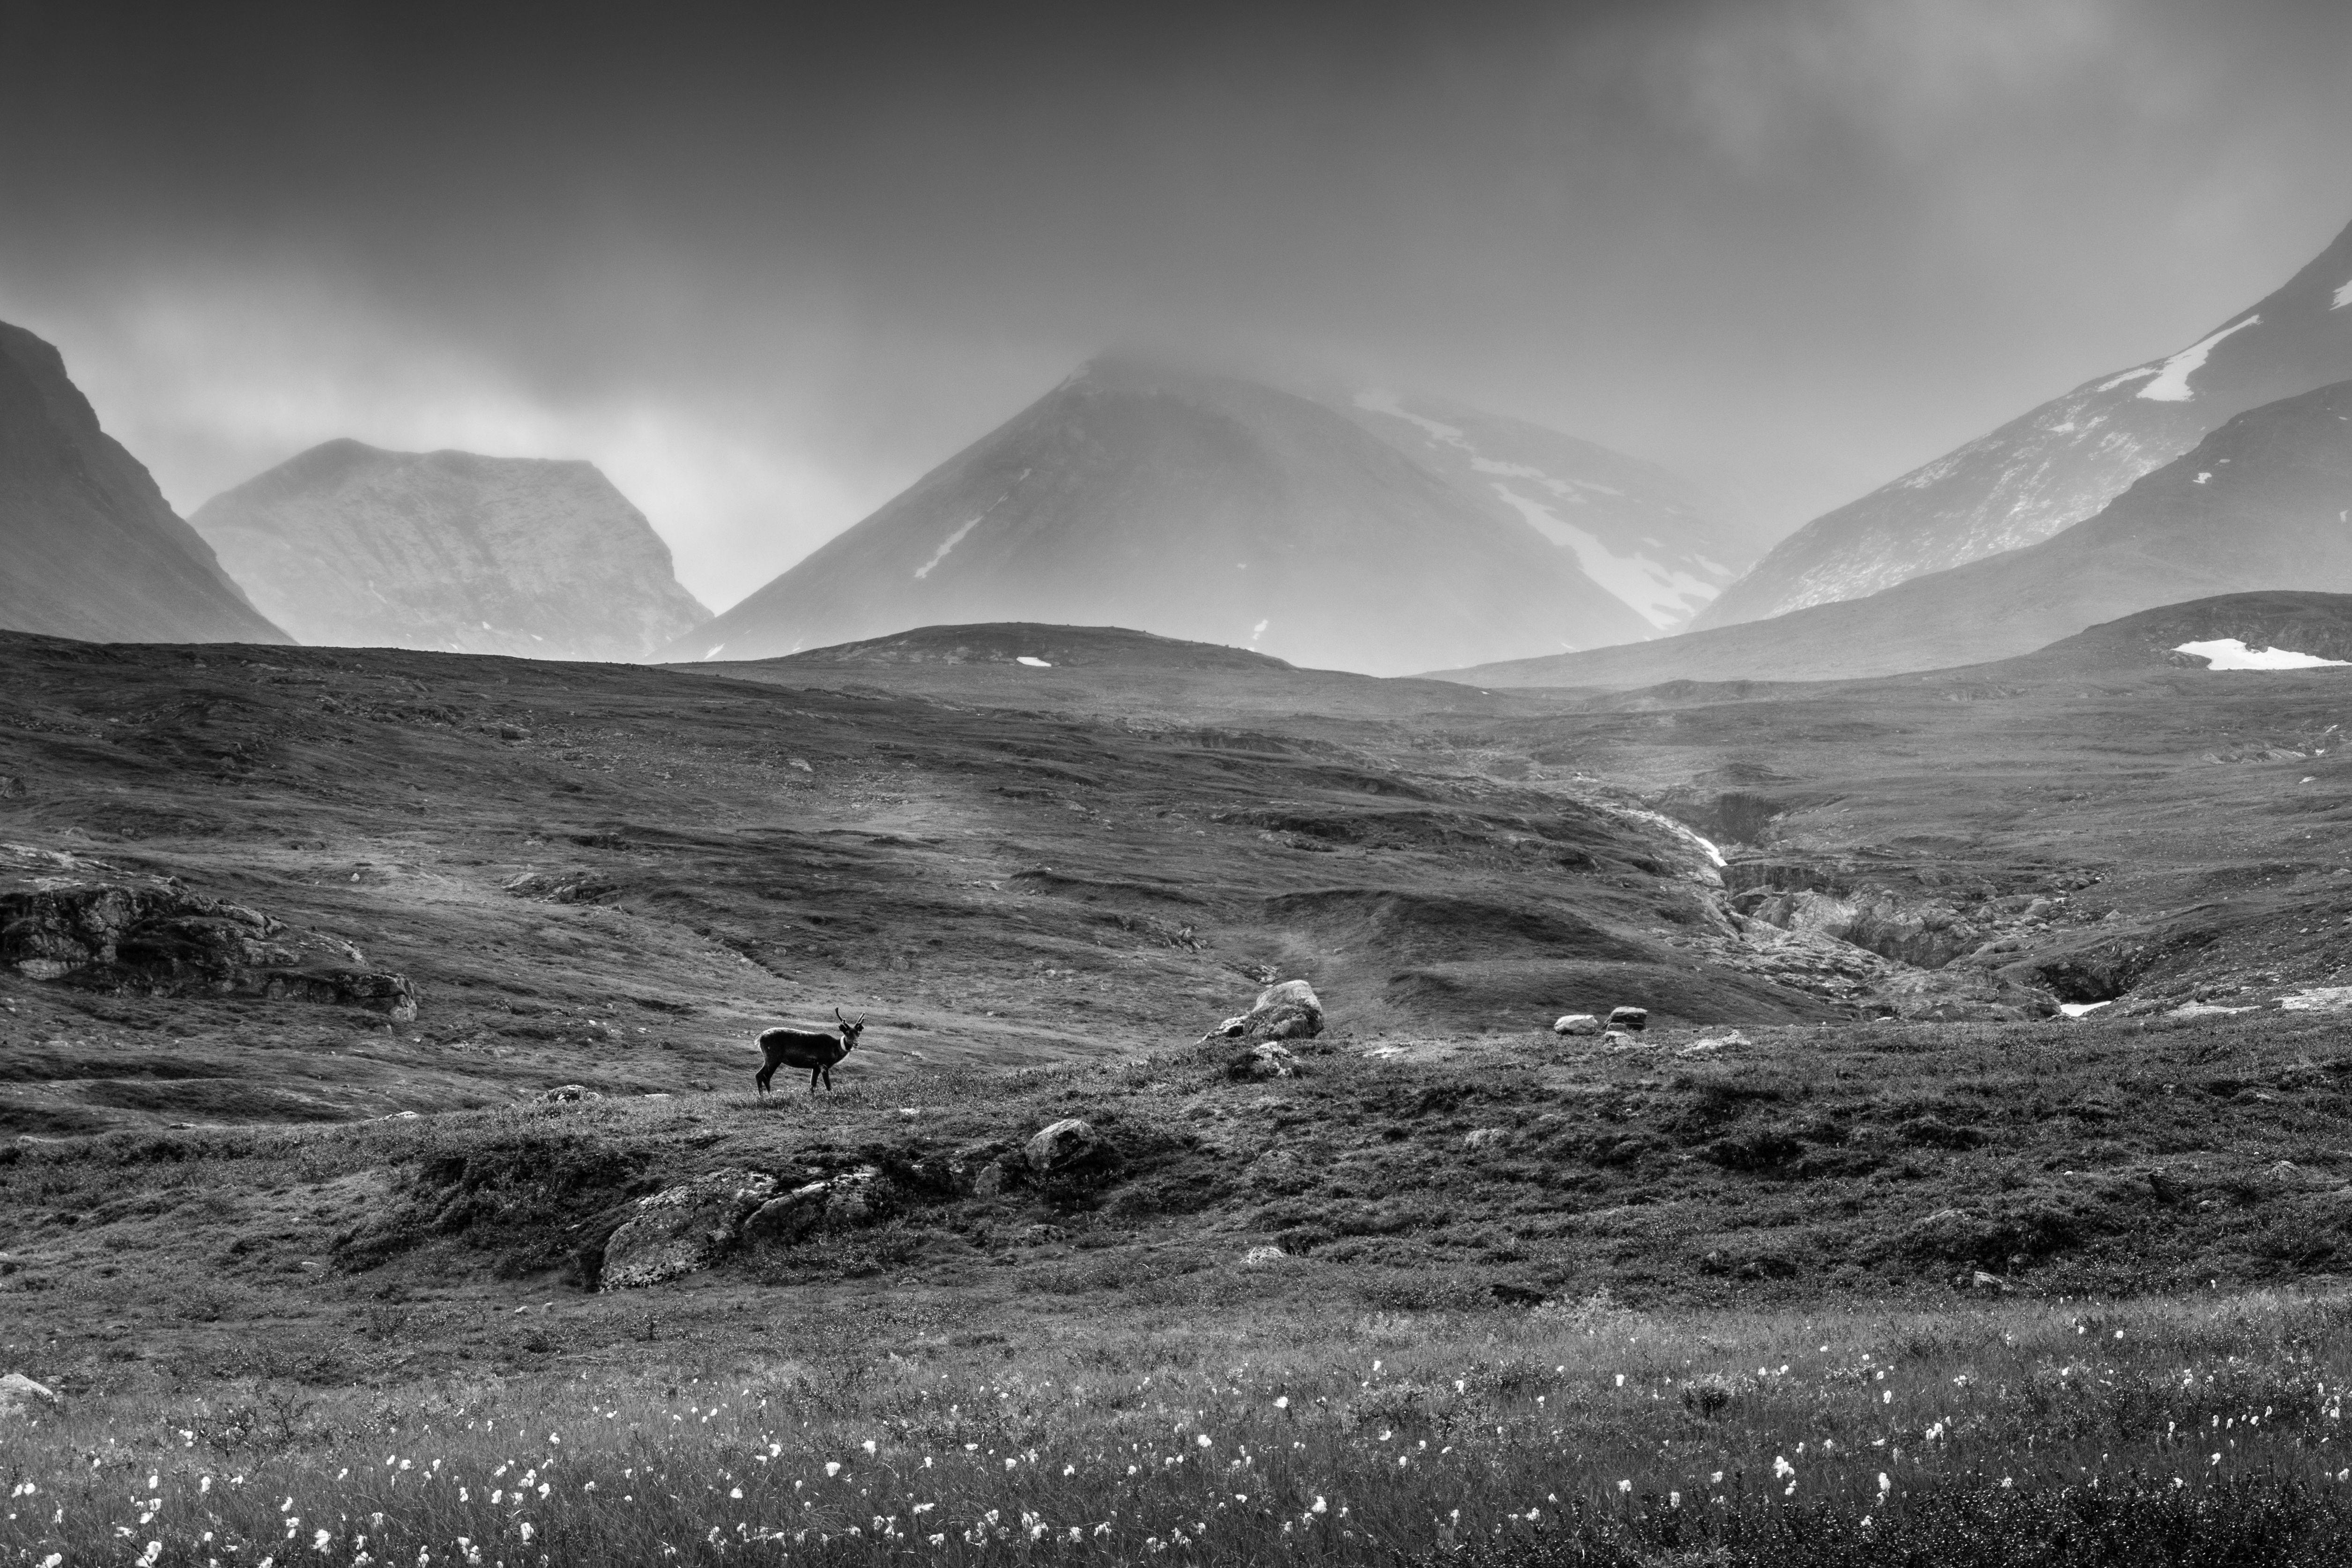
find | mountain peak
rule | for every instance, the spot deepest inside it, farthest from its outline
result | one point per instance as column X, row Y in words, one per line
column 2058, row 464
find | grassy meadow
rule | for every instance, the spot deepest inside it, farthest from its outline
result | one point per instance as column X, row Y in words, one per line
column 2054, row 1293
column 2205, row 1431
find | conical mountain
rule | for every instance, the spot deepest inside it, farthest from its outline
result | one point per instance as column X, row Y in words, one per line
column 1195, row 506
column 350, row 546
column 2052, row 468
column 88, row 547
column 2264, row 502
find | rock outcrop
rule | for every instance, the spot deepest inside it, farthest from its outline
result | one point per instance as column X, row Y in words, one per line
column 684, row 1228
column 70, row 919
column 88, row 547
column 350, row 546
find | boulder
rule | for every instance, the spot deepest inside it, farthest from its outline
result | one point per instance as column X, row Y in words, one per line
column 569, row 1093
column 21, row 1397
column 790, row 1218
column 1289, row 1011
column 1069, row 1150
column 681, row 1230
column 1571, row 1023
column 1633, row 1020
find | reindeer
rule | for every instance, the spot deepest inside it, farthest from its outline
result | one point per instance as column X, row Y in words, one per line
column 807, row 1049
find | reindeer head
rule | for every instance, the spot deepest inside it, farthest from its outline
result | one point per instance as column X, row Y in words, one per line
column 849, row 1031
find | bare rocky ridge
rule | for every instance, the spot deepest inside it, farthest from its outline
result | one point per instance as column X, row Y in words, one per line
column 1194, row 506
column 91, row 548
column 2059, row 464
column 353, row 547
column 2258, row 505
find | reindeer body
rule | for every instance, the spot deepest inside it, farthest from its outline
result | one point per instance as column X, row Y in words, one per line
column 806, row 1049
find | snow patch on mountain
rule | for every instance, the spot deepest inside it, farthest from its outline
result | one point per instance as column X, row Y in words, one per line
column 2343, row 298
column 2171, row 384
column 1659, row 594
column 2229, row 653
column 947, row 544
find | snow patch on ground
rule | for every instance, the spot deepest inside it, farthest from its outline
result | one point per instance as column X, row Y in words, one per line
column 2109, row 386
column 1030, row 660
column 952, row 540
column 2229, row 653
column 2343, row 298
column 2082, row 1009
column 1658, row 593
column 2319, row 999
column 2171, row 383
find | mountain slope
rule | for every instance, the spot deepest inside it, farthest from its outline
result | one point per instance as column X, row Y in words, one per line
column 1640, row 533
column 2264, row 502
column 1195, row 506
column 2060, row 463
column 350, row 546
column 92, row 549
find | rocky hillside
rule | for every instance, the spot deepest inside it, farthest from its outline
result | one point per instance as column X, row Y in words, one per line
column 2062, row 462
column 350, row 546
column 2258, row 504
column 1194, row 506
column 93, row 549
column 1647, row 536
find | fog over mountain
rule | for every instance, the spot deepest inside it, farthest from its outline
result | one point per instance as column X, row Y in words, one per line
column 1193, row 504
column 765, row 268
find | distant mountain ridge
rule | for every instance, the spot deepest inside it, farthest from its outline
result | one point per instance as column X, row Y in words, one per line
column 91, row 548
column 2060, row 463
column 1196, row 506
column 2264, row 502
column 353, row 546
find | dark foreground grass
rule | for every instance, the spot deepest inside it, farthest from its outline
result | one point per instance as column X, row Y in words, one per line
column 2182, row 1433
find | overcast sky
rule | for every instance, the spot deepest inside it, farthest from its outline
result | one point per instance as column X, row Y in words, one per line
column 767, row 264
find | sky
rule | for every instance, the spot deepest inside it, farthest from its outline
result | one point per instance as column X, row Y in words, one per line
column 766, row 265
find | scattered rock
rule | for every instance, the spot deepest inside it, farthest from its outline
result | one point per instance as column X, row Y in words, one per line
column 681, row 1230
column 569, row 1093
column 1632, row 1019
column 1263, row 1257
column 21, row 1397
column 790, row 1218
column 513, row 733
column 562, row 887
column 1576, row 1023
column 1619, row 1041
column 1069, row 1150
column 11, row 787
column 1484, row 1138
column 1289, row 1011
column 1266, row 1060
column 1713, row 1045
column 1978, row 1279
column 860, row 1198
